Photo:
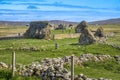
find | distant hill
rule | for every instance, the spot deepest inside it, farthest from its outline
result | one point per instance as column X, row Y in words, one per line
column 57, row 22
column 13, row 23
column 109, row 21
column 16, row 23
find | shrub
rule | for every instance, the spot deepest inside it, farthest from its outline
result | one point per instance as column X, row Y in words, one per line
column 5, row 74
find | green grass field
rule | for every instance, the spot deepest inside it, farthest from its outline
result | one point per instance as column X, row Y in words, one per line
column 66, row 47
column 46, row 48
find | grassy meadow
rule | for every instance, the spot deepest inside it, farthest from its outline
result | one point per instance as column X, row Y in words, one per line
column 11, row 30
column 46, row 49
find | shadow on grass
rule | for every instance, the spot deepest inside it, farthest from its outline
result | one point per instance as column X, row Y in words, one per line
column 78, row 44
column 75, row 44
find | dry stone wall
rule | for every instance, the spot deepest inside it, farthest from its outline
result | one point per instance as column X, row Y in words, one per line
column 53, row 68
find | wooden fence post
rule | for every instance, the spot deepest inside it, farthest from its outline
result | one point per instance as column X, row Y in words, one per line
column 53, row 37
column 72, row 67
column 13, row 63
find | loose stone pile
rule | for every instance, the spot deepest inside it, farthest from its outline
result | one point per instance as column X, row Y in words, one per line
column 83, row 77
column 28, row 48
column 117, row 58
column 45, row 71
column 114, row 46
column 3, row 65
column 96, row 58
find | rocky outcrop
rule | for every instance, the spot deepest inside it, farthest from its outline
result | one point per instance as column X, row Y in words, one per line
column 100, row 35
column 38, row 29
column 70, row 26
column 86, row 37
column 80, row 27
column 60, row 27
column 100, row 32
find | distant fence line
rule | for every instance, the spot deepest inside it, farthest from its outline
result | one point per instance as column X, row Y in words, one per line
column 56, row 36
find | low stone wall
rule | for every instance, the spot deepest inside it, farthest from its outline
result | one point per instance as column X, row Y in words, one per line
column 62, row 36
column 74, row 35
column 53, row 68
column 113, row 45
column 7, row 38
column 56, row 36
column 12, row 36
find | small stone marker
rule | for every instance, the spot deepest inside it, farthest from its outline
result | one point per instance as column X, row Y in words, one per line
column 56, row 46
column 19, row 35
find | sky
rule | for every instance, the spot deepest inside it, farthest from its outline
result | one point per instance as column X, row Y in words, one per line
column 68, row 10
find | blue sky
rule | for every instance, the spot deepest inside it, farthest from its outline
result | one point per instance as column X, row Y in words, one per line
column 69, row 10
